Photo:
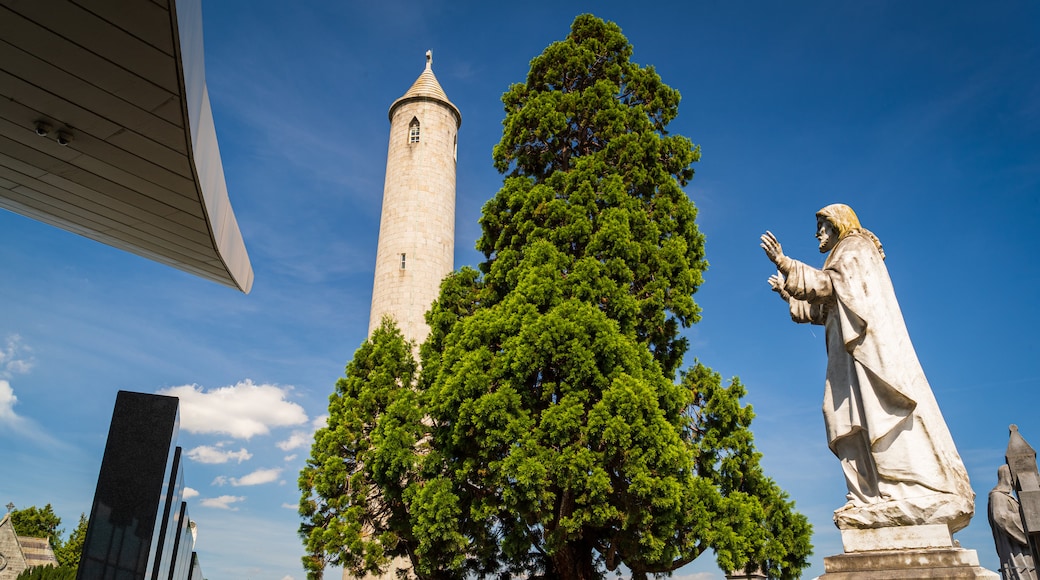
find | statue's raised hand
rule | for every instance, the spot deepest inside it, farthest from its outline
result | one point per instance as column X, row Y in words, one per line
column 772, row 247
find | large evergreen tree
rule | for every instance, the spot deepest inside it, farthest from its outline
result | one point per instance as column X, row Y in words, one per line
column 352, row 484
column 550, row 432
column 72, row 549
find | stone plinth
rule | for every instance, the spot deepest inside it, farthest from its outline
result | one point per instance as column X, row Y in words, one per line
column 903, row 553
column 932, row 563
column 896, row 538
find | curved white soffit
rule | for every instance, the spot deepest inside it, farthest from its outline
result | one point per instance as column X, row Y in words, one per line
column 204, row 152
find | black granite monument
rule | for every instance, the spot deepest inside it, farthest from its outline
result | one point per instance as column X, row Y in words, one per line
column 138, row 521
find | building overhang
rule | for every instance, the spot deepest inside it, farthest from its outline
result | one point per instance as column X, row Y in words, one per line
column 106, row 131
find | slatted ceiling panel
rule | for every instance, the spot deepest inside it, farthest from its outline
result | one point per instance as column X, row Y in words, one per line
column 102, row 38
column 68, row 163
column 30, row 203
column 27, row 161
column 131, row 163
column 47, row 218
column 106, row 220
column 33, row 39
column 89, row 185
column 104, row 191
column 7, row 162
column 117, row 234
column 108, row 162
column 108, row 73
column 144, row 20
column 40, row 86
column 141, row 184
column 170, row 108
column 147, row 149
column 25, row 100
column 209, row 269
column 81, row 200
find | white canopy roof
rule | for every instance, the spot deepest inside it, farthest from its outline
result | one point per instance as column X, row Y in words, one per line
column 106, row 131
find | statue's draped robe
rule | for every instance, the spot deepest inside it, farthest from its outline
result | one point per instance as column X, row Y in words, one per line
column 1009, row 537
column 876, row 390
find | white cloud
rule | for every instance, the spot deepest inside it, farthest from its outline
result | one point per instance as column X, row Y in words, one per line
column 11, row 363
column 189, row 492
column 241, row 411
column 15, row 357
column 19, row 366
column 223, row 502
column 320, row 421
column 289, row 458
column 7, row 403
column 258, row 477
column 295, row 441
column 9, row 419
column 288, row 577
column 209, row 454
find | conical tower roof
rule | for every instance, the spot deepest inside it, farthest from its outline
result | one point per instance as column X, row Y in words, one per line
column 426, row 87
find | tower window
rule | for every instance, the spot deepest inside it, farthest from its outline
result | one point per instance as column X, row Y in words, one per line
column 402, row 261
column 413, row 131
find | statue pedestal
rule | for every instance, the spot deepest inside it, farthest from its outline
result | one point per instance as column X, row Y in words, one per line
column 930, row 563
column 903, row 553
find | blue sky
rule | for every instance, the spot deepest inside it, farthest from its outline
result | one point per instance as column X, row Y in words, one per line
column 923, row 116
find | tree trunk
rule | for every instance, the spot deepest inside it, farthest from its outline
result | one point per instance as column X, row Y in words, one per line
column 574, row 562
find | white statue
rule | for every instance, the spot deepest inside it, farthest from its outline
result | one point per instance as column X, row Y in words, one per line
column 882, row 419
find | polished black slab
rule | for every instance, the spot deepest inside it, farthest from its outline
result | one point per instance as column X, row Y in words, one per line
column 126, row 534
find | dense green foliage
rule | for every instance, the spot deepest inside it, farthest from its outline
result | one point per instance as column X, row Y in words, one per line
column 38, row 523
column 550, row 432
column 366, row 451
column 48, row 573
column 71, row 550
column 42, row 522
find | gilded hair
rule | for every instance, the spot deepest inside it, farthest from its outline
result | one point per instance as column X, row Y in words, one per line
column 845, row 221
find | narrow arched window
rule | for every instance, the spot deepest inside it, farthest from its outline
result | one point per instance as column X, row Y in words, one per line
column 413, row 131
column 402, row 261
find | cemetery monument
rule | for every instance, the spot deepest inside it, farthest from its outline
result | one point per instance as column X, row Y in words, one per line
column 908, row 491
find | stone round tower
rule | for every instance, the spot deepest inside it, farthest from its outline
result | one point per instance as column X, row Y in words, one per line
column 417, row 228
